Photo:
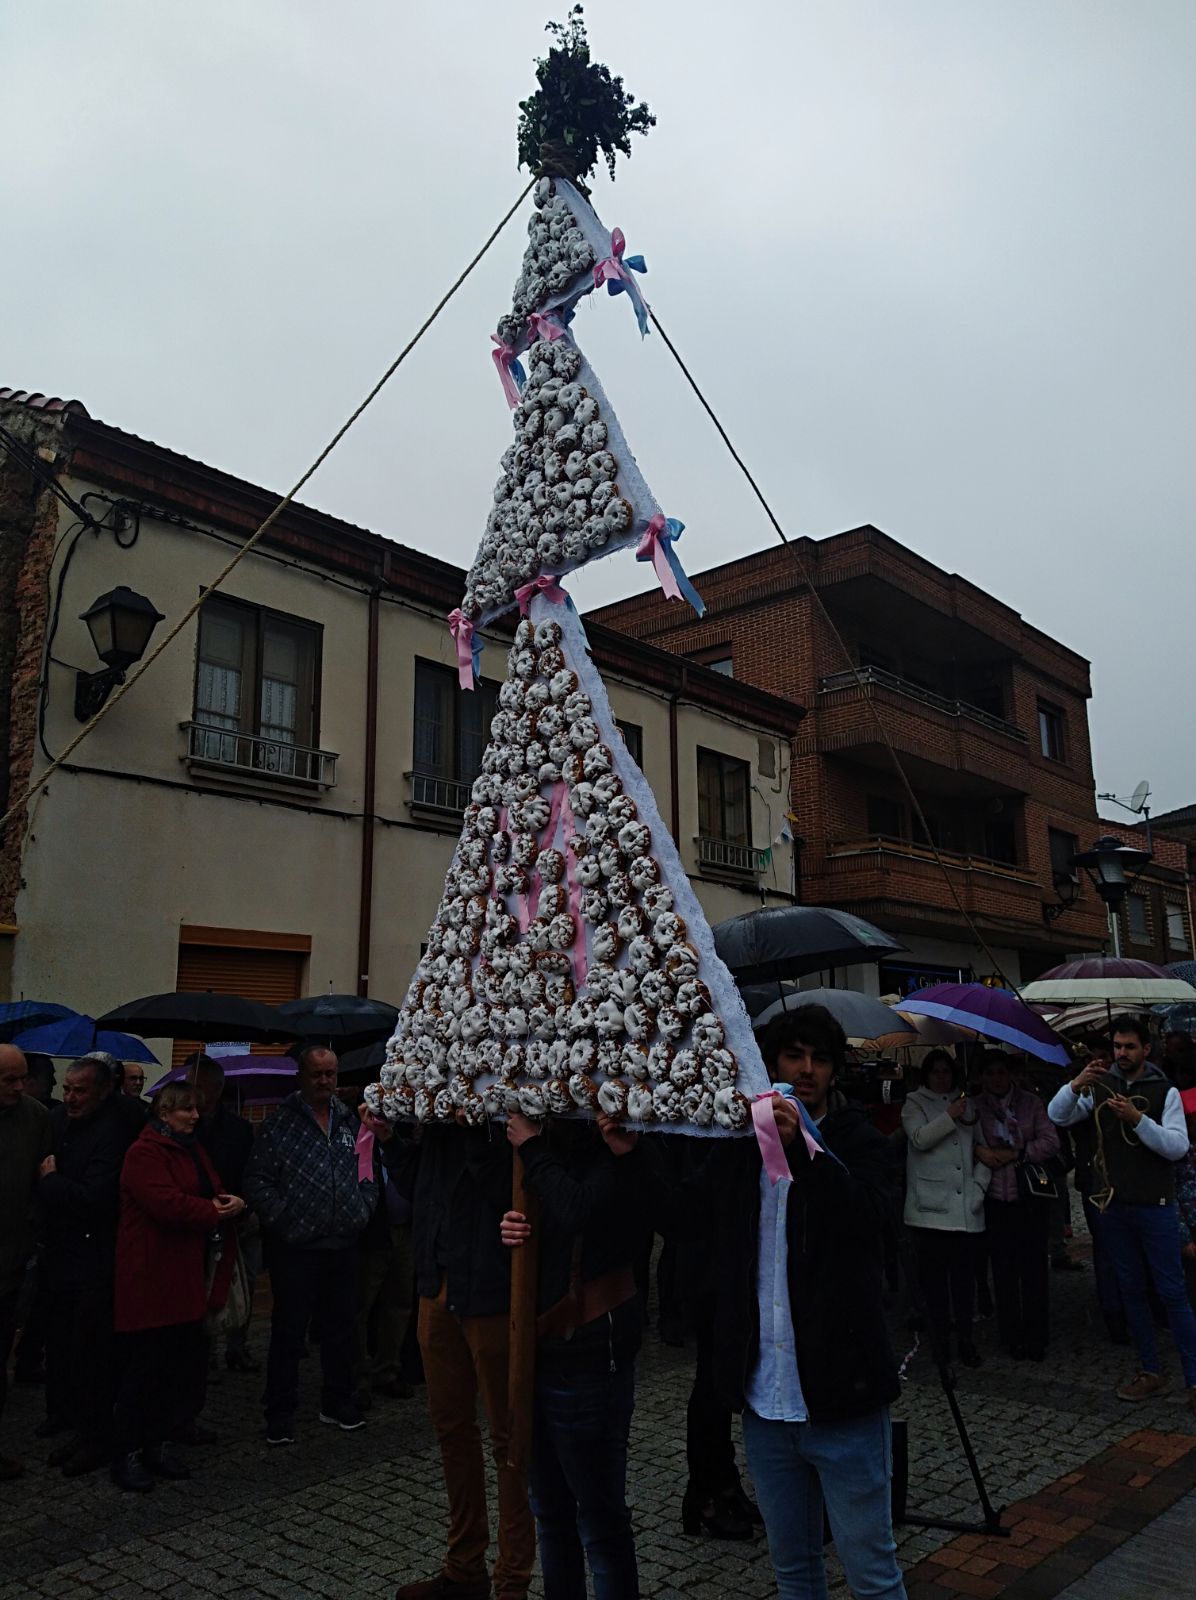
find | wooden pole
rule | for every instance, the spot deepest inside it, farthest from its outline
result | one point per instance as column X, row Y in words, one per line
column 521, row 1369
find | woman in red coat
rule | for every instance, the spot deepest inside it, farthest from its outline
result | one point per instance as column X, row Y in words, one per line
column 174, row 1258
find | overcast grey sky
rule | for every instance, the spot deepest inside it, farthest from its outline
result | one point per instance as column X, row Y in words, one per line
column 932, row 259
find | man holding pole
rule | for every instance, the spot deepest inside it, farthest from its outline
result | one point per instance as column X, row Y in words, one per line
column 459, row 1181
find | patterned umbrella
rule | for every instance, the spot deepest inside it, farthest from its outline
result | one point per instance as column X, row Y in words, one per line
column 995, row 1013
column 1116, row 980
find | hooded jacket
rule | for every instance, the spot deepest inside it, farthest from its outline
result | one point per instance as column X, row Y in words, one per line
column 945, row 1184
column 303, row 1183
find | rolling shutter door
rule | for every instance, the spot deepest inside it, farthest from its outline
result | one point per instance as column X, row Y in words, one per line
column 270, row 976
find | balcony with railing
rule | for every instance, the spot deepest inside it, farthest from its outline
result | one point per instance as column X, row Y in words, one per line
column 733, row 860
column 868, row 679
column 881, row 868
column 445, row 796
column 250, row 755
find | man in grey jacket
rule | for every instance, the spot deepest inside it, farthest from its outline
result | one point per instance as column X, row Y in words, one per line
column 303, row 1181
column 1140, row 1133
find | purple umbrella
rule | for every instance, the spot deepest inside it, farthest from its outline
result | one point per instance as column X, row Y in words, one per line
column 242, row 1072
column 996, row 1013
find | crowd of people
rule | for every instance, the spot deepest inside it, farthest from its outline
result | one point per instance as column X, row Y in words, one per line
column 132, row 1236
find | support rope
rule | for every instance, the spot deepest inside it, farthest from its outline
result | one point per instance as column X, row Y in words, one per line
column 122, row 689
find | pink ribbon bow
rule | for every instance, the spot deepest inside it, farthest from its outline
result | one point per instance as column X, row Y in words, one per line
column 545, row 326
column 546, row 585
column 461, row 629
column 651, row 548
column 365, row 1154
column 612, row 266
column 776, row 1163
column 504, row 357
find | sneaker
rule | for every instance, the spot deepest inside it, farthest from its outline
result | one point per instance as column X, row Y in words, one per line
column 1144, row 1387
column 163, row 1462
column 345, row 1416
column 280, row 1431
column 129, row 1473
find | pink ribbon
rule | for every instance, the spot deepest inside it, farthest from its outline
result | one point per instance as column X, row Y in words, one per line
column 577, row 950
column 612, row 266
column 776, row 1163
column 651, row 549
column 504, row 357
column 365, row 1154
column 545, row 326
column 461, row 629
column 546, row 585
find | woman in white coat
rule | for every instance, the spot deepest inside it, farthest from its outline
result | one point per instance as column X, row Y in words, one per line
column 944, row 1201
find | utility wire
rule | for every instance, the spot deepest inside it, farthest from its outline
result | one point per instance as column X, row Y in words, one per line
column 123, row 688
column 804, row 574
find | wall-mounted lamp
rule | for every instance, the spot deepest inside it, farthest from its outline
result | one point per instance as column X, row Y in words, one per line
column 120, row 623
column 1067, row 889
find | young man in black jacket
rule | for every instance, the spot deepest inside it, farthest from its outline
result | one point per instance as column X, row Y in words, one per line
column 801, row 1347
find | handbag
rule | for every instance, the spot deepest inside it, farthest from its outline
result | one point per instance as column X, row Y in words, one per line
column 1035, row 1180
column 237, row 1308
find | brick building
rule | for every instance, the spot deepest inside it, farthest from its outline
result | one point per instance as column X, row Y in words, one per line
column 1156, row 916
column 273, row 810
column 988, row 715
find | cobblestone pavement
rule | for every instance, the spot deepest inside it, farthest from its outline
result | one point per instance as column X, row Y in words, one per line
column 348, row 1515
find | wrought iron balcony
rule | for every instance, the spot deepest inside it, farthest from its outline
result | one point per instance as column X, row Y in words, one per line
column 865, row 677
column 255, row 756
column 431, row 793
column 743, row 860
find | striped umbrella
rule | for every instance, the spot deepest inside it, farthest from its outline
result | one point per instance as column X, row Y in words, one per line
column 1116, row 981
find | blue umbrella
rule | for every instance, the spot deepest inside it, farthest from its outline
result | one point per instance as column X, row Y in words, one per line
column 76, row 1035
column 18, row 1015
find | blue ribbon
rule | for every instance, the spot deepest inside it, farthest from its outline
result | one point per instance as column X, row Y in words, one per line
column 666, row 540
column 625, row 286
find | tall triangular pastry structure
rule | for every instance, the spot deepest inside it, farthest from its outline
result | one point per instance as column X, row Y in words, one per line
column 570, row 967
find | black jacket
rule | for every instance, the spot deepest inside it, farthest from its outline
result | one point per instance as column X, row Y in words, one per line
column 80, row 1201
column 590, row 1222
column 228, row 1140
column 459, row 1183
column 837, row 1222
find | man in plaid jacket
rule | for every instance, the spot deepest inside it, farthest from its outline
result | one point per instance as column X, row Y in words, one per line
column 303, row 1182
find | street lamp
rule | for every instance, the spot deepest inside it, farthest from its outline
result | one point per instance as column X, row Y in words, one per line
column 120, row 623
column 1107, row 864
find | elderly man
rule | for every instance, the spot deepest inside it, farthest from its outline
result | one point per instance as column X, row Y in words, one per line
column 78, row 1194
column 303, row 1181
column 24, row 1145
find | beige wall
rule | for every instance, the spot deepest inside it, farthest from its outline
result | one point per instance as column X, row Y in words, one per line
column 114, row 865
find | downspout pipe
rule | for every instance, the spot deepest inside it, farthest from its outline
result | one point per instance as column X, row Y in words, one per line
column 366, row 897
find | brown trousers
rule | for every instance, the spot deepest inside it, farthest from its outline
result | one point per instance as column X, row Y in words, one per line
column 465, row 1357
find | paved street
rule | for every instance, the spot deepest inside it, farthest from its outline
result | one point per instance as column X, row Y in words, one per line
column 347, row 1515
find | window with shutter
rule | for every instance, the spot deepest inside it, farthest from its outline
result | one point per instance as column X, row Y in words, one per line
column 268, row 975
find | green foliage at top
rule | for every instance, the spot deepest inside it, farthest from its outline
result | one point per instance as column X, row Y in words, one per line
column 579, row 105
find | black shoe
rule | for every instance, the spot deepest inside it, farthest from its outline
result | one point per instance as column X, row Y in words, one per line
column 87, row 1458
column 718, row 1516
column 346, row 1416
column 969, row 1356
column 442, row 1588
column 128, row 1473
column 1034, row 1352
column 163, row 1463
column 1066, row 1264
column 10, row 1469
column 363, row 1399
column 281, row 1431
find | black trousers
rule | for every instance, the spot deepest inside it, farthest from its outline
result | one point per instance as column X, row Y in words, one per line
column 163, row 1385
column 307, row 1284
column 8, row 1327
column 1017, row 1237
column 81, row 1360
column 945, row 1262
column 709, row 1449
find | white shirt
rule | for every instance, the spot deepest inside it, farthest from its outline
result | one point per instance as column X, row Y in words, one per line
column 773, row 1389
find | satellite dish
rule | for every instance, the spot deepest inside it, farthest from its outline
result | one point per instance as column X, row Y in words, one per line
column 1140, row 796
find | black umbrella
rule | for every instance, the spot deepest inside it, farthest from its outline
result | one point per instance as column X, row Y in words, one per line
column 363, row 1063
column 789, row 941
column 346, row 1019
column 202, row 1016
